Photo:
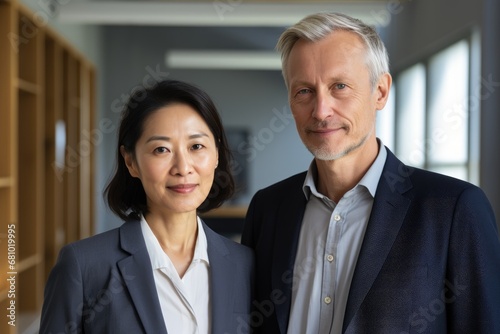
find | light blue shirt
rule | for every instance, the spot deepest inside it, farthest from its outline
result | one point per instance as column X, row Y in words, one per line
column 329, row 244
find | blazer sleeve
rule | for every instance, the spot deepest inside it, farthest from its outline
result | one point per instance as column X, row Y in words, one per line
column 473, row 271
column 62, row 310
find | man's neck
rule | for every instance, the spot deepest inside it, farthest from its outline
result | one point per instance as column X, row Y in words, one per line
column 336, row 177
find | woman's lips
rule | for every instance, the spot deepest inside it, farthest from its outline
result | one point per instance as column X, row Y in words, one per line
column 182, row 188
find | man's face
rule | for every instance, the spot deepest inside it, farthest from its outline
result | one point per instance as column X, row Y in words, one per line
column 331, row 96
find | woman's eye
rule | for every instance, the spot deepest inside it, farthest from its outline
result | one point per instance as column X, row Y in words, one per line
column 161, row 150
column 197, row 147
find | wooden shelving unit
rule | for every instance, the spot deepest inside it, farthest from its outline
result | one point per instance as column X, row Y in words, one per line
column 46, row 171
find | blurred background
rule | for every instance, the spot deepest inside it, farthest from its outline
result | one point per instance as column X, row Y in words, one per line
column 68, row 66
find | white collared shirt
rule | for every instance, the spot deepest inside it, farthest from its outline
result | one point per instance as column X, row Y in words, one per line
column 329, row 245
column 185, row 302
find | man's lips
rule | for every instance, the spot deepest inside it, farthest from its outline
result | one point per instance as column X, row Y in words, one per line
column 183, row 188
column 324, row 131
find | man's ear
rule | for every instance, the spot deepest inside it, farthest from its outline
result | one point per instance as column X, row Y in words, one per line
column 129, row 162
column 382, row 90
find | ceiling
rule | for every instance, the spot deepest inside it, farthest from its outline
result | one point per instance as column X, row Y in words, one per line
column 228, row 14
column 246, row 13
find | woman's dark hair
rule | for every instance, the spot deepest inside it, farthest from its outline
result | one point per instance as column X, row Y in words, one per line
column 125, row 194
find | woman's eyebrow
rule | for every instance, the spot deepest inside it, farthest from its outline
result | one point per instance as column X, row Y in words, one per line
column 165, row 138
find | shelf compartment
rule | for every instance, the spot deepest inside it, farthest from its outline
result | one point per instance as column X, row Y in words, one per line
column 28, row 48
column 29, row 291
column 30, row 169
column 8, row 72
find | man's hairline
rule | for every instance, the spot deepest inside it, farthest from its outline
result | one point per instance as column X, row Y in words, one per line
column 298, row 38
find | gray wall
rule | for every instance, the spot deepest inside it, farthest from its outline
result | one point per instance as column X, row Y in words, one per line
column 421, row 27
column 255, row 100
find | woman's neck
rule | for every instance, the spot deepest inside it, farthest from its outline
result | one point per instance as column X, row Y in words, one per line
column 177, row 235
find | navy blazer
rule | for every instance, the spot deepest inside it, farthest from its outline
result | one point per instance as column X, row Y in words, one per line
column 105, row 284
column 429, row 261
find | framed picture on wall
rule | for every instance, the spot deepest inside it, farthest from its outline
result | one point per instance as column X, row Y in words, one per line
column 239, row 166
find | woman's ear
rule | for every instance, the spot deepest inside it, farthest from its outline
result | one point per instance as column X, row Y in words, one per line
column 217, row 161
column 129, row 162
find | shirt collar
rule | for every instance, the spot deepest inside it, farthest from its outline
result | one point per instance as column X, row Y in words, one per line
column 157, row 255
column 369, row 180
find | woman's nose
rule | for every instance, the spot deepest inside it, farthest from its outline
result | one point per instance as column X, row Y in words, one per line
column 182, row 164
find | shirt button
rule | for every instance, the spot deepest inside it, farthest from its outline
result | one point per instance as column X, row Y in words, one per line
column 327, row 300
column 336, row 217
column 329, row 257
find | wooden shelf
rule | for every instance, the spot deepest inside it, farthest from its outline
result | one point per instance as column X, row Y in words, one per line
column 27, row 87
column 28, row 263
column 6, row 182
column 8, row 125
column 43, row 81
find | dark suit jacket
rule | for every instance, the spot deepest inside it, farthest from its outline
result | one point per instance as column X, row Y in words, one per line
column 105, row 284
column 429, row 261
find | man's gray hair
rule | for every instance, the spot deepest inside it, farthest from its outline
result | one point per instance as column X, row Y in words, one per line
column 317, row 26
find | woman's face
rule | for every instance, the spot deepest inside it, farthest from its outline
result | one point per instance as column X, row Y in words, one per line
column 175, row 159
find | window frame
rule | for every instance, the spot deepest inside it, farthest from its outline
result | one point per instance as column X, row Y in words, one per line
column 471, row 165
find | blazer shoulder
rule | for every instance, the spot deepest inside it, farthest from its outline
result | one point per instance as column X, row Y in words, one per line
column 429, row 181
column 106, row 246
column 96, row 243
column 423, row 181
column 425, row 185
column 241, row 251
column 289, row 185
column 227, row 246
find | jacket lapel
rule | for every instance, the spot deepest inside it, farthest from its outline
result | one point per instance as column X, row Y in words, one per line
column 221, row 284
column 287, row 232
column 388, row 212
column 137, row 274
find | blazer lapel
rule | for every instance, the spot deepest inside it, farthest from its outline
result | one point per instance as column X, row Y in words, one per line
column 388, row 212
column 221, row 284
column 287, row 232
column 137, row 274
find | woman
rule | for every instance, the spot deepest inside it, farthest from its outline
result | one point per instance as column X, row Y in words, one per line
column 163, row 270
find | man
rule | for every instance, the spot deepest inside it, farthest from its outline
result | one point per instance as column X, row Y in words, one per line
column 361, row 243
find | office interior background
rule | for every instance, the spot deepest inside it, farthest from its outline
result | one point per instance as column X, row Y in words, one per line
column 443, row 114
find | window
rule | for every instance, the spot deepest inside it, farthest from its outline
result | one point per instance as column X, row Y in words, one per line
column 433, row 126
column 410, row 106
column 447, row 126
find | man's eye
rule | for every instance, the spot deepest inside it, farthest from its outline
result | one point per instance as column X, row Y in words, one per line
column 340, row 86
column 303, row 91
